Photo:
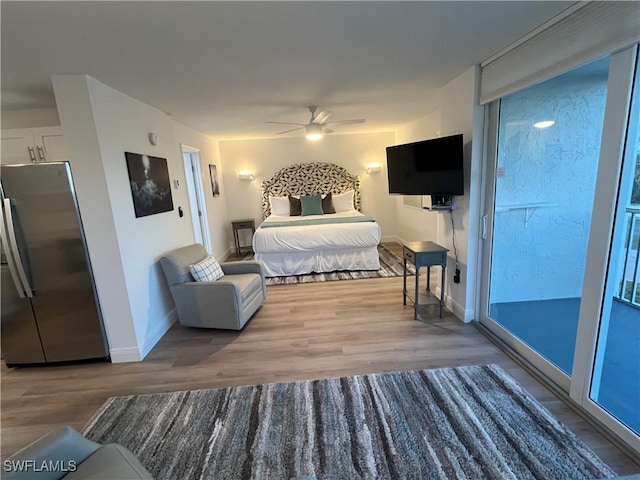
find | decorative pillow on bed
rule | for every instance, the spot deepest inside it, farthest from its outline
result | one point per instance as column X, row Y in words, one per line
column 327, row 204
column 279, row 206
column 311, row 205
column 295, row 207
column 343, row 202
column 207, row 270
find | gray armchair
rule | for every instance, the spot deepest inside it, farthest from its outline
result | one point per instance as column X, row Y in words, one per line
column 64, row 453
column 227, row 303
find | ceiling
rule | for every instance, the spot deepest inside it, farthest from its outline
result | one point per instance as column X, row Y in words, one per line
column 226, row 68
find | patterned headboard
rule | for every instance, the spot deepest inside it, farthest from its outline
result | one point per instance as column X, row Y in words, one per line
column 309, row 179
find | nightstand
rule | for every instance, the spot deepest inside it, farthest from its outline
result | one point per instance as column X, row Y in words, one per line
column 423, row 254
column 238, row 225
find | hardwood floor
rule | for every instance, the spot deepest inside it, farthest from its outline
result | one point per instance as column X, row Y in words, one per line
column 305, row 331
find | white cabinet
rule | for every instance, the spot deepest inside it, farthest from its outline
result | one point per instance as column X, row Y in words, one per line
column 32, row 145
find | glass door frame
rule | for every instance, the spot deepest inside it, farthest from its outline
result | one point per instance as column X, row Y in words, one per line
column 616, row 168
column 617, row 122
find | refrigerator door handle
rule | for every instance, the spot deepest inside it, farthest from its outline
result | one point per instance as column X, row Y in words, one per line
column 13, row 247
column 10, row 260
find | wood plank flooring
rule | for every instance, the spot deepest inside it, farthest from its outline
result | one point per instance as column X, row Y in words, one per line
column 306, row 331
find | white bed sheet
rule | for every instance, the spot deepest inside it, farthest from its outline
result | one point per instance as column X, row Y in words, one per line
column 297, row 250
column 311, row 238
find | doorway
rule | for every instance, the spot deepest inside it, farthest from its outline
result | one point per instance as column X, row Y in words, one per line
column 195, row 188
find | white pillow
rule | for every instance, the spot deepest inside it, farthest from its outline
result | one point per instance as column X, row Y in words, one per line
column 207, row 270
column 343, row 202
column 279, row 205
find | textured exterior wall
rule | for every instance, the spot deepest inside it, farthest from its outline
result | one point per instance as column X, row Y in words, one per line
column 540, row 253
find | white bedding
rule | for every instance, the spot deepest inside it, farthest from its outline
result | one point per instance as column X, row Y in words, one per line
column 310, row 238
column 300, row 249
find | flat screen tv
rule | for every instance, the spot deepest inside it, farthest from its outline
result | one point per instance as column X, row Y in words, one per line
column 428, row 167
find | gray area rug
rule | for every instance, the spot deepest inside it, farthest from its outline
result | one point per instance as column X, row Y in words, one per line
column 390, row 266
column 471, row 422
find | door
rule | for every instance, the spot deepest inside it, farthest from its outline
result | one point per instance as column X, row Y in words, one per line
column 16, row 146
column 195, row 187
column 560, row 270
column 31, row 145
column 50, row 145
column 543, row 184
column 20, row 338
column 608, row 355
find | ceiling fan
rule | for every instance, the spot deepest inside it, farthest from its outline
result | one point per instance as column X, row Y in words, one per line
column 317, row 126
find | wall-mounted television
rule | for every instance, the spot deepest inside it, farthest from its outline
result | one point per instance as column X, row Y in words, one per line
column 429, row 167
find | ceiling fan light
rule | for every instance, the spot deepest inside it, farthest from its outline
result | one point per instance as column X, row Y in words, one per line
column 544, row 124
column 314, row 132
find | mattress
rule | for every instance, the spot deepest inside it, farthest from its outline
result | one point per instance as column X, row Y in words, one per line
column 311, row 237
column 299, row 245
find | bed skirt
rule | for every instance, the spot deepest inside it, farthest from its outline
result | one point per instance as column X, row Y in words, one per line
column 300, row 263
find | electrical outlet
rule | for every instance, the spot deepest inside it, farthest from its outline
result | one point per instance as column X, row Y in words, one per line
column 456, row 276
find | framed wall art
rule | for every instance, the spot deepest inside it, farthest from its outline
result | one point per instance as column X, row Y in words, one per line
column 150, row 185
column 215, row 186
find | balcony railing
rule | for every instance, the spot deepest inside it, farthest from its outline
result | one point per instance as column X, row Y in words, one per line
column 629, row 283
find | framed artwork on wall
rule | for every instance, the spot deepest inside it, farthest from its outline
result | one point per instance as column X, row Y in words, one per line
column 215, row 186
column 149, row 182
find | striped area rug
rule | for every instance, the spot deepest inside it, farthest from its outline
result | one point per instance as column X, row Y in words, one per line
column 471, row 422
column 390, row 266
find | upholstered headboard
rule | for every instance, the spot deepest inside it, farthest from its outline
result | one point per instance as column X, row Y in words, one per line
column 309, row 179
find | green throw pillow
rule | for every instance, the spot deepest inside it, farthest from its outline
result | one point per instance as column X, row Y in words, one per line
column 311, row 204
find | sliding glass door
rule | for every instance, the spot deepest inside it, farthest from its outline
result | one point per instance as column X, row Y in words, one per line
column 544, row 181
column 560, row 276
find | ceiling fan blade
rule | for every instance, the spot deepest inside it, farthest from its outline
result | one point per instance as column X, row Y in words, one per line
column 346, row 122
column 288, row 123
column 321, row 117
column 292, row 130
column 326, row 130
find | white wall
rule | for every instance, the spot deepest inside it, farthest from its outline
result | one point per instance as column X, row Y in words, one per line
column 462, row 114
column 415, row 224
column 33, row 118
column 100, row 124
column 266, row 157
column 457, row 112
column 556, row 165
column 216, row 207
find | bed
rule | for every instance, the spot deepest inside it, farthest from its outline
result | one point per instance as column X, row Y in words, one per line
column 297, row 245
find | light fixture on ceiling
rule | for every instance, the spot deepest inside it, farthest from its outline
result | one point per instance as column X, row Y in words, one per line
column 544, row 124
column 374, row 168
column 246, row 175
column 314, row 132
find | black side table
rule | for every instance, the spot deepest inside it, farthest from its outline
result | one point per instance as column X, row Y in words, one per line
column 423, row 254
column 238, row 225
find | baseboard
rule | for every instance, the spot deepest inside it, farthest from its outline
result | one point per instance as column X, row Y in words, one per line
column 224, row 255
column 125, row 355
column 158, row 331
column 389, row 239
column 465, row 315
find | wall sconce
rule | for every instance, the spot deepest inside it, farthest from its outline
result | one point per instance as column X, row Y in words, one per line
column 246, row 175
column 153, row 139
column 374, row 168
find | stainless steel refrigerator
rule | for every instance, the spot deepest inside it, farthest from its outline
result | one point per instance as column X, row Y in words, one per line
column 50, row 311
